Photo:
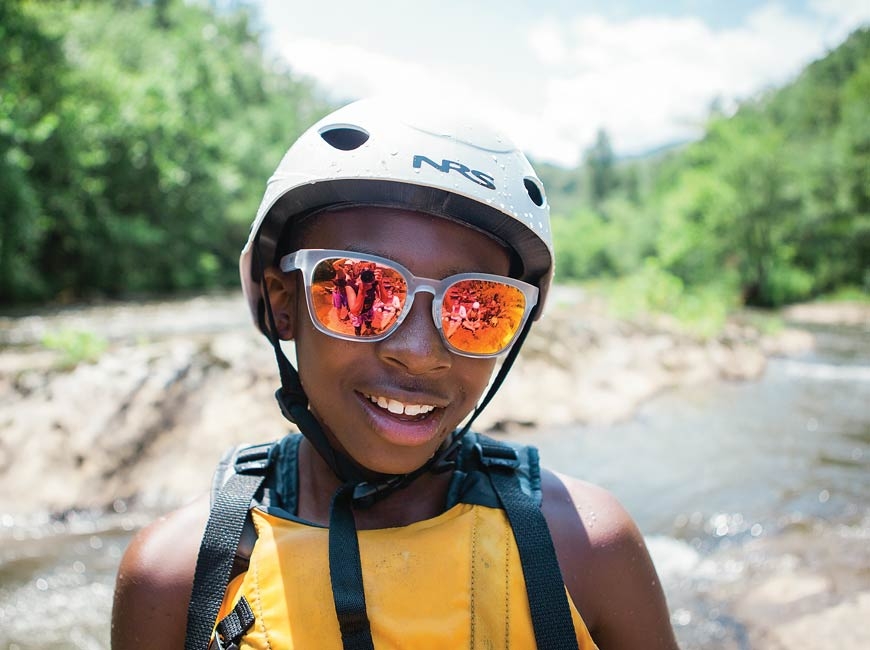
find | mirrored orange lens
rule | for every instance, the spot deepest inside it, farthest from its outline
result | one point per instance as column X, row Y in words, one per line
column 357, row 297
column 482, row 316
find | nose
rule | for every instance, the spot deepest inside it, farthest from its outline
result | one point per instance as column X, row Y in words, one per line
column 416, row 346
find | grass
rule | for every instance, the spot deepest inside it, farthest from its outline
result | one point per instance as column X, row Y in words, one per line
column 75, row 347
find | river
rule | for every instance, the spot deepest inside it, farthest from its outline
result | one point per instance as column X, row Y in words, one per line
column 722, row 479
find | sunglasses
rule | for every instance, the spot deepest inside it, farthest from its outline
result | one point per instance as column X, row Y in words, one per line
column 358, row 297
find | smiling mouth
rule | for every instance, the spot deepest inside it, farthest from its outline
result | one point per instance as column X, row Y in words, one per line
column 396, row 407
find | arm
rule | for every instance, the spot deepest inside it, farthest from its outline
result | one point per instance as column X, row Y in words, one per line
column 338, row 267
column 155, row 580
column 379, row 285
column 354, row 300
column 606, row 566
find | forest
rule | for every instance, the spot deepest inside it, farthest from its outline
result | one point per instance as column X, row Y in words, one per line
column 132, row 161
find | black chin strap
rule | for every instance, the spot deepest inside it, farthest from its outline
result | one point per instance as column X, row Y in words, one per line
column 294, row 402
column 359, row 488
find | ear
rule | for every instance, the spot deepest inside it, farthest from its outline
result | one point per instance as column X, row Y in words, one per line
column 281, row 290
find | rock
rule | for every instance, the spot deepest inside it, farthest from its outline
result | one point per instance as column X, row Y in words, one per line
column 805, row 587
column 787, row 342
column 829, row 313
column 183, row 380
column 737, row 360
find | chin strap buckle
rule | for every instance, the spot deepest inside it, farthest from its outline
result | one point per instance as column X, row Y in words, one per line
column 288, row 399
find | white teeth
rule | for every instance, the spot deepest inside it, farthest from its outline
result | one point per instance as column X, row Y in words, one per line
column 395, row 406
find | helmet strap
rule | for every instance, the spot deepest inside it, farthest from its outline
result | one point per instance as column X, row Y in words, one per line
column 369, row 486
column 446, row 459
column 293, row 401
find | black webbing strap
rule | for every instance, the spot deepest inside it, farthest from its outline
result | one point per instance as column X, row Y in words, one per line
column 234, row 625
column 548, row 602
column 345, row 573
column 219, row 543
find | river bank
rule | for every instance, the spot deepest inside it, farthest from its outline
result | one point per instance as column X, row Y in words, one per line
column 144, row 421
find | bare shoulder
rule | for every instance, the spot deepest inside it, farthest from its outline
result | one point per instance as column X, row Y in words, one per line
column 606, row 565
column 155, row 580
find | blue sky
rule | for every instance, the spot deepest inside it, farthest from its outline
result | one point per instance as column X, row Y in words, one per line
column 552, row 72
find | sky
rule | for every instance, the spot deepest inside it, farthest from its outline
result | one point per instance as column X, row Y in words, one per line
column 551, row 73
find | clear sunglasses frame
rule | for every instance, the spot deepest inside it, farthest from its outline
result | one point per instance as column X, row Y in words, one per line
column 306, row 260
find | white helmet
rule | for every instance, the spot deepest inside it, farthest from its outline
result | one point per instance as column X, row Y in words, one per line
column 391, row 154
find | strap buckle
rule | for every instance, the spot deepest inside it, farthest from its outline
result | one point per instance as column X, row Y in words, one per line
column 230, row 630
column 496, row 455
column 254, row 459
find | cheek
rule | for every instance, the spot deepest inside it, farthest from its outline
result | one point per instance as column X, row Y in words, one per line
column 475, row 375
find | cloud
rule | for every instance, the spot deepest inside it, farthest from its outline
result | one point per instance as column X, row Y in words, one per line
column 349, row 72
column 844, row 15
column 648, row 79
column 651, row 80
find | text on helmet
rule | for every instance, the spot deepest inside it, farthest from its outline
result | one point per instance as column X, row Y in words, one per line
column 447, row 166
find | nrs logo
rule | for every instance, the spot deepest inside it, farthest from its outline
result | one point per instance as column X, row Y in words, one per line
column 447, row 166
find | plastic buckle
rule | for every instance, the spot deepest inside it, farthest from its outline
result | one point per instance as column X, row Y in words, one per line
column 288, row 399
column 497, row 455
column 254, row 459
column 218, row 644
column 234, row 626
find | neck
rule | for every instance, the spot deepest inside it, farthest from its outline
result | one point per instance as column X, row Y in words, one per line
column 423, row 499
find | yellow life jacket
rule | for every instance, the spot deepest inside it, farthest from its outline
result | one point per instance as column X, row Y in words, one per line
column 454, row 581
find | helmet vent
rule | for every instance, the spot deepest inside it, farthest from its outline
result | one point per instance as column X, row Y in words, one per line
column 536, row 194
column 344, row 136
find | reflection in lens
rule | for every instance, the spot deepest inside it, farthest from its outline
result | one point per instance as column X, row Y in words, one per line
column 482, row 316
column 355, row 297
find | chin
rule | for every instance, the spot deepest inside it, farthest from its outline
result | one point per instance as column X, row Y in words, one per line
column 397, row 462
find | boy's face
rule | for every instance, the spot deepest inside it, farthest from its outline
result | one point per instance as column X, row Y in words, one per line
column 344, row 380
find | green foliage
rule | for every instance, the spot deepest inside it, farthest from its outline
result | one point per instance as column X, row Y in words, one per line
column 75, row 347
column 772, row 205
column 651, row 290
column 846, row 294
column 134, row 140
column 135, row 136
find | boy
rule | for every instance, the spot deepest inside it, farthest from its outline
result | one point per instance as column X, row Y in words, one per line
column 387, row 523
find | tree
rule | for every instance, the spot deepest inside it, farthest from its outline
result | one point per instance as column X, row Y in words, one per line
column 600, row 166
column 135, row 155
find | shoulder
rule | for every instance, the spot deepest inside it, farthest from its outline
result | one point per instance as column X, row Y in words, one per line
column 155, row 580
column 606, row 566
column 592, row 531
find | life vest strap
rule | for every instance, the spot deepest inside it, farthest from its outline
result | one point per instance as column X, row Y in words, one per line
column 545, row 587
column 345, row 573
column 220, row 541
column 234, row 625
